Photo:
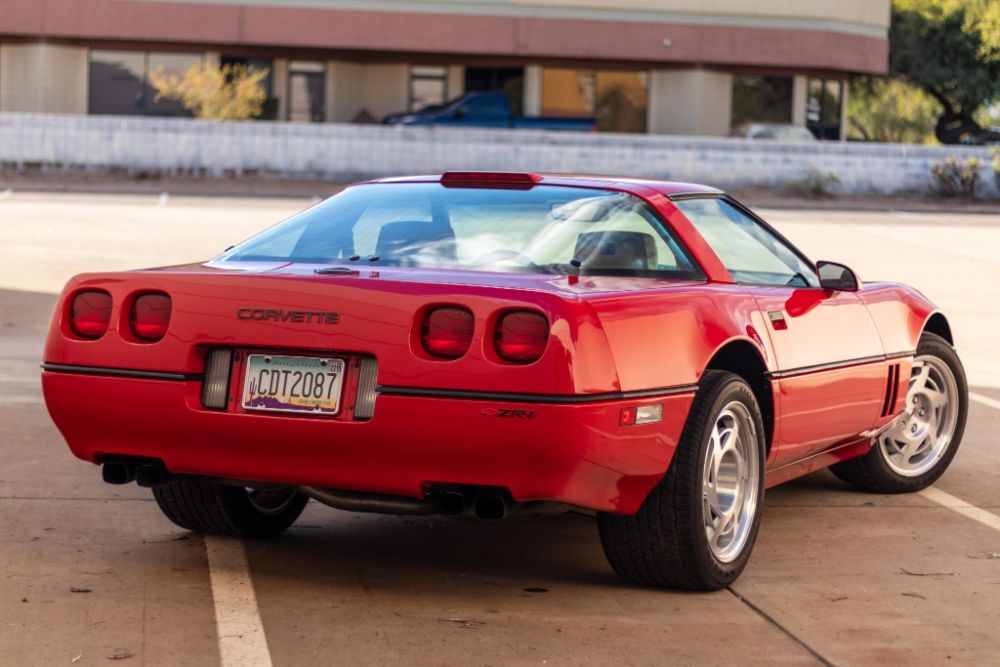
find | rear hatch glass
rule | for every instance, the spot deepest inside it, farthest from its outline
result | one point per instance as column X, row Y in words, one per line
column 544, row 229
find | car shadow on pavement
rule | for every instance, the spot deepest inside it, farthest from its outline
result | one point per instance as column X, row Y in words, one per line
column 387, row 549
column 423, row 552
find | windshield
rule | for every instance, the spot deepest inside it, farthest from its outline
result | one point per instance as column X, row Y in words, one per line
column 545, row 229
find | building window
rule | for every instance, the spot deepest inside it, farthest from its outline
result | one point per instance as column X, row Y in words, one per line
column 428, row 85
column 620, row 104
column 567, row 92
column 168, row 63
column 823, row 108
column 269, row 110
column 306, row 91
column 617, row 100
column 761, row 99
column 506, row 80
column 119, row 82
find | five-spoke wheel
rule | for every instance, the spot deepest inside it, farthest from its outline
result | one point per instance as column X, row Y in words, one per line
column 918, row 448
column 925, row 431
column 730, row 482
column 697, row 527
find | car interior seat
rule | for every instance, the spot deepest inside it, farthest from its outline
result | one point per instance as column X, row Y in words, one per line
column 619, row 250
column 415, row 243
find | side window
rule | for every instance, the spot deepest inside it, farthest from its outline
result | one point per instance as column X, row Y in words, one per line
column 749, row 252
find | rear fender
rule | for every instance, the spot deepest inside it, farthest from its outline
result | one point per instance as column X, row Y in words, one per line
column 665, row 338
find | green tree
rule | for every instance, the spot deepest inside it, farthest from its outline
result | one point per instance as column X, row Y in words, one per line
column 230, row 92
column 951, row 50
column 891, row 111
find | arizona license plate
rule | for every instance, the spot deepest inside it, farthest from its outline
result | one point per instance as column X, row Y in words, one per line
column 306, row 385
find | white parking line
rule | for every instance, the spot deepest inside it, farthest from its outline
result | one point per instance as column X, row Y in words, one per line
column 985, row 400
column 957, row 504
column 242, row 642
column 164, row 198
column 6, row 193
column 965, row 509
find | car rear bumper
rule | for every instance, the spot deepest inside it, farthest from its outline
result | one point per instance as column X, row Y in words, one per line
column 575, row 453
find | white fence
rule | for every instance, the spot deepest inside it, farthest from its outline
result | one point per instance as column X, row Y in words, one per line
column 345, row 152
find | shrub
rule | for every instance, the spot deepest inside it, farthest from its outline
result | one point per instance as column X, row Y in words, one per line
column 230, row 92
column 815, row 184
column 956, row 178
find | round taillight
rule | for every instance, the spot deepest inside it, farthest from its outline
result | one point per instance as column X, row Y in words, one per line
column 150, row 317
column 90, row 314
column 521, row 336
column 447, row 332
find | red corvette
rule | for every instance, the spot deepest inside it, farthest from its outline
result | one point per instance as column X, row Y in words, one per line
column 495, row 343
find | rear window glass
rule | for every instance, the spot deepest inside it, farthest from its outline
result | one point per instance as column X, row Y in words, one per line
column 545, row 229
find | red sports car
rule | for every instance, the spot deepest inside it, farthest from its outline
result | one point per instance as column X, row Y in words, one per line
column 499, row 343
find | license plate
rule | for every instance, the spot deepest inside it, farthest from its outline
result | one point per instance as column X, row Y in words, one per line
column 305, row 385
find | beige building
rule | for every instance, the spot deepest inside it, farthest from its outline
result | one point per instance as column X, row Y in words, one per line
column 698, row 67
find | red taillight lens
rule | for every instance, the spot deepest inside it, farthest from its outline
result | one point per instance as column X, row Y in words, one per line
column 447, row 332
column 150, row 316
column 90, row 314
column 521, row 337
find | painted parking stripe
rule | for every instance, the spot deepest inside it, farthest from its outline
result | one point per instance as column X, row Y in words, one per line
column 965, row 509
column 242, row 642
column 6, row 193
column 957, row 504
column 985, row 400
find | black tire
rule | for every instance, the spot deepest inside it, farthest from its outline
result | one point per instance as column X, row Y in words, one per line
column 206, row 507
column 665, row 544
column 871, row 472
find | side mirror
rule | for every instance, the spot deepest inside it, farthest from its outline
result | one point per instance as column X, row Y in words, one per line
column 458, row 113
column 833, row 276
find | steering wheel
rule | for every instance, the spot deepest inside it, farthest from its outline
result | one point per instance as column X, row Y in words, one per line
column 505, row 257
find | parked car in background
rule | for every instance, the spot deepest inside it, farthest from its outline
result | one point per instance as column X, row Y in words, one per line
column 487, row 344
column 773, row 132
column 986, row 136
column 486, row 110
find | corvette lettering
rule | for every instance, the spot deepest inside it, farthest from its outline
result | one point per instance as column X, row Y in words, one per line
column 294, row 316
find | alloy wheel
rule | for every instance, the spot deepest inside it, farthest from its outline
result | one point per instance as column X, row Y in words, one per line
column 921, row 437
column 730, row 482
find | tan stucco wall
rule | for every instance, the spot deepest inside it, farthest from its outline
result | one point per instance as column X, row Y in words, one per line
column 692, row 102
column 352, row 87
column 532, row 90
column 43, row 77
column 456, row 81
column 800, row 94
column 385, row 88
column 279, row 85
column 343, row 91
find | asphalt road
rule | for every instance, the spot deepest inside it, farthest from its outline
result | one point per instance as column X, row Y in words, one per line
column 91, row 573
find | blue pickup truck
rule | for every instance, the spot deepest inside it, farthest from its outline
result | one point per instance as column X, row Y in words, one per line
column 485, row 110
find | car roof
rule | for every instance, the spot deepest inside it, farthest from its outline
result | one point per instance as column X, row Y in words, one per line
column 668, row 188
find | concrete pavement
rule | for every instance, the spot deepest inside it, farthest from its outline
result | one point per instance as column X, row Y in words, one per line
column 838, row 576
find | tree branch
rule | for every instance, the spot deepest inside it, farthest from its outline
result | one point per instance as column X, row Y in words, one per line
column 949, row 108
